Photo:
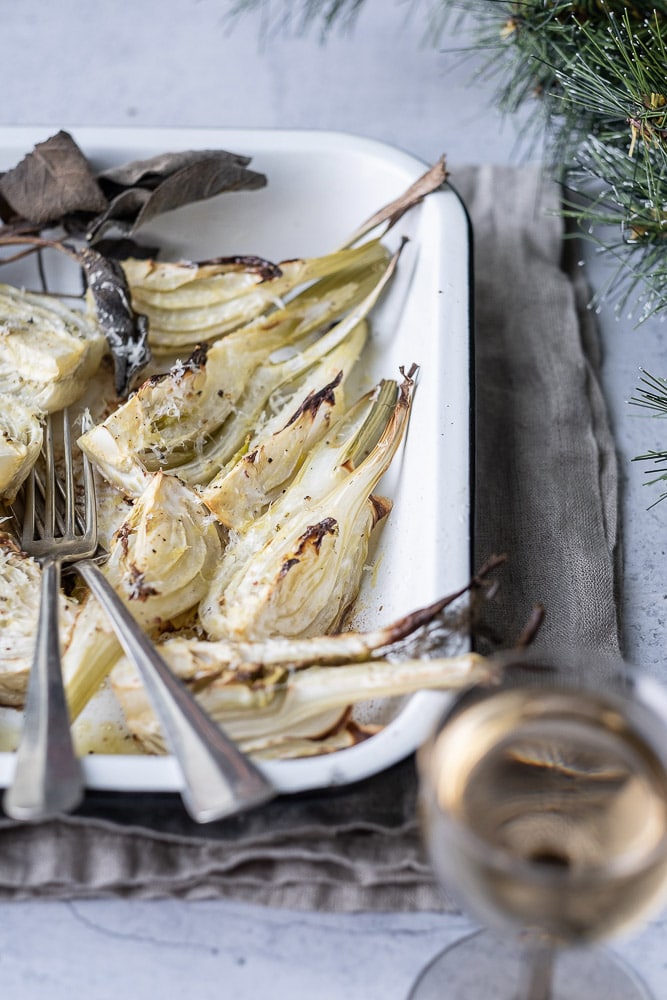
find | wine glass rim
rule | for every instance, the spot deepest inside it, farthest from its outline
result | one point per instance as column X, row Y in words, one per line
column 648, row 694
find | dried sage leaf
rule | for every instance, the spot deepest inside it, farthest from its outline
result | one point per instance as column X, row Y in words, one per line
column 149, row 173
column 142, row 189
column 53, row 180
column 125, row 330
column 430, row 181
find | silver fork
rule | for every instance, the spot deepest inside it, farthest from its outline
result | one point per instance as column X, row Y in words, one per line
column 48, row 778
column 218, row 779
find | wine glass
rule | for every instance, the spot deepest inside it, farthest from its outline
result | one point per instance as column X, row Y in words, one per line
column 544, row 806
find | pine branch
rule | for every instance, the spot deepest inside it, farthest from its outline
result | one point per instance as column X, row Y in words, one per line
column 651, row 395
column 594, row 73
column 600, row 69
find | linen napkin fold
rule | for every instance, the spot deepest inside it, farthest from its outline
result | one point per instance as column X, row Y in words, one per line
column 546, row 493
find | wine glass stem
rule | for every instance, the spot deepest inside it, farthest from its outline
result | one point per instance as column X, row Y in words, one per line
column 535, row 984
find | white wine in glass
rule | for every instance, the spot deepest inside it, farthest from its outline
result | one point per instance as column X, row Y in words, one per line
column 545, row 812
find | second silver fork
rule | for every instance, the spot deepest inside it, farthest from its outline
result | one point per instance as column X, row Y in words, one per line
column 218, row 779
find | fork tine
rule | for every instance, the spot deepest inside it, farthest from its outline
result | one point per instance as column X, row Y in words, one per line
column 28, row 531
column 69, row 475
column 50, row 478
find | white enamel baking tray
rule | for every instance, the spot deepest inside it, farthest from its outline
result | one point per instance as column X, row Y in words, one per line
column 321, row 185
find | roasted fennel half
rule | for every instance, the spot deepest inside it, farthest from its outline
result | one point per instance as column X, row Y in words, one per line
column 193, row 419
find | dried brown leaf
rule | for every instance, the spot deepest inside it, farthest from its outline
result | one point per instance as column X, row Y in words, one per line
column 52, row 181
column 125, row 330
column 430, row 181
column 142, row 189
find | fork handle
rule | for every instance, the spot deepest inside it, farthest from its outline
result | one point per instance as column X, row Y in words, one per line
column 219, row 779
column 48, row 779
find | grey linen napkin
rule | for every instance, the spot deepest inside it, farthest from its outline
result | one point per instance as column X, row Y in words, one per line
column 546, row 494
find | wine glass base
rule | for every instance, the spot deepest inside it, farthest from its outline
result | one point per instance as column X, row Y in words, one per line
column 480, row 967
